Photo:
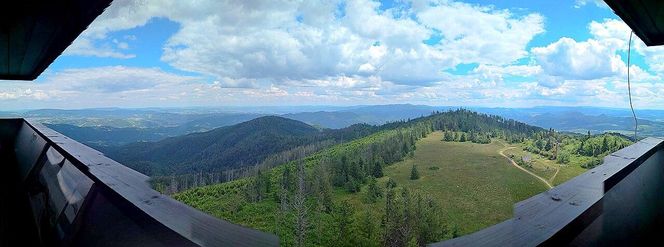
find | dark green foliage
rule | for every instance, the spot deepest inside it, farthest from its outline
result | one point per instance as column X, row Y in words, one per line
column 433, row 168
column 391, row 183
column 565, row 148
column 369, row 230
column 411, row 217
column 259, row 188
column 377, row 170
column 352, row 186
column 322, row 189
column 374, row 192
column 414, row 174
column 448, row 136
column 343, row 219
column 240, row 145
column 592, row 163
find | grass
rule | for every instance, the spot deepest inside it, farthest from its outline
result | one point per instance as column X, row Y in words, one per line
column 475, row 186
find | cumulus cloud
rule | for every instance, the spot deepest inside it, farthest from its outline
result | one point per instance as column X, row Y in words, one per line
column 344, row 52
column 287, row 40
column 476, row 34
column 615, row 33
column 585, row 60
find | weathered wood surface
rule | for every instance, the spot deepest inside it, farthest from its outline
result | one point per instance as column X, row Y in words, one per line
column 132, row 188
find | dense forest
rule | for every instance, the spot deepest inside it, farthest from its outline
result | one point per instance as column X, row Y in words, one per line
column 586, row 150
column 236, row 146
column 303, row 201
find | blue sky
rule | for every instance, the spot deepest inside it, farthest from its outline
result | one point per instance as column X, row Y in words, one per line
column 152, row 53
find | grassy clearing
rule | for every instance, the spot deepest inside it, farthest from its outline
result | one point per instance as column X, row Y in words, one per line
column 475, row 186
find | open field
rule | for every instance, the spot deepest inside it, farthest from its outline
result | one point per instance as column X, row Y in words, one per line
column 475, row 186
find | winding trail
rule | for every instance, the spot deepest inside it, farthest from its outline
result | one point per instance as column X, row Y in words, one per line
column 501, row 152
column 554, row 175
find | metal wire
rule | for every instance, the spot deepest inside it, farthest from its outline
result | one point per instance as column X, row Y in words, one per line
column 629, row 86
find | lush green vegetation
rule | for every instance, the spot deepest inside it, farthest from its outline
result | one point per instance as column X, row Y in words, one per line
column 241, row 145
column 375, row 190
column 340, row 196
column 585, row 151
column 474, row 186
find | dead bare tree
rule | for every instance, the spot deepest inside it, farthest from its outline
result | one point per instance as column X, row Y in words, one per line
column 300, row 207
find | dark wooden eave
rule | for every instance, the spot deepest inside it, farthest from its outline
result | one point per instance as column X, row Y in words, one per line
column 35, row 32
column 645, row 17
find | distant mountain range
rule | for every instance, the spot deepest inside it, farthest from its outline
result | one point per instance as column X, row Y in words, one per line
column 115, row 126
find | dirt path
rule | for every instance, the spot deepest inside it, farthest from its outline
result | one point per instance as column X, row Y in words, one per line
column 501, row 152
column 554, row 175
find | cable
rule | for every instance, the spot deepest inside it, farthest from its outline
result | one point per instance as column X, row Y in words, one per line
column 629, row 87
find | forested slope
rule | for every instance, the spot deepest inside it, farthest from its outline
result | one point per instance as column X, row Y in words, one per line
column 317, row 197
column 230, row 147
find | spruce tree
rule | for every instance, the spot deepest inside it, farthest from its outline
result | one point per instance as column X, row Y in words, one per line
column 378, row 170
column 373, row 191
column 414, row 174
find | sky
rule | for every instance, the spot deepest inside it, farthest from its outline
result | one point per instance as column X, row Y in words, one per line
column 508, row 53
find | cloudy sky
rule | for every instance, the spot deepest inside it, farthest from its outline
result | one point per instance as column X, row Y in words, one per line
column 144, row 53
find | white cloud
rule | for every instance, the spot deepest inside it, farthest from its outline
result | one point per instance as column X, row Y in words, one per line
column 615, row 33
column 585, row 60
column 286, row 40
column 113, row 79
column 582, row 3
column 303, row 52
column 84, row 46
column 476, row 34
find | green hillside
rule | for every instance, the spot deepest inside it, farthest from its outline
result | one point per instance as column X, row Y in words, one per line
column 411, row 183
column 240, row 145
column 475, row 186
column 344, row 206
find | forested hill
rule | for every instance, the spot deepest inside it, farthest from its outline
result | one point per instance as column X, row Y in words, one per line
column 316, row 186
column 239, row 145
column 477, row 125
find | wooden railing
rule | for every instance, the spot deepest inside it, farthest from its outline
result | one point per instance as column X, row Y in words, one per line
column 79, row 197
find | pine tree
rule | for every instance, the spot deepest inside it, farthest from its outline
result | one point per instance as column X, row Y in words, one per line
column 414, row 174
column 605, row 145
column 378, row 170
column 300, row 207
column 368, row 228
column 391, row 183
column 374, row 192
column 344, row 220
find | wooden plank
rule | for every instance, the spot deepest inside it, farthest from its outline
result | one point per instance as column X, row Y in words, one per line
column 132, row 187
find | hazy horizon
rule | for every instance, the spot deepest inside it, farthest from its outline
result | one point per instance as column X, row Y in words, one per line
column 330, row 107
column 511, row 54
